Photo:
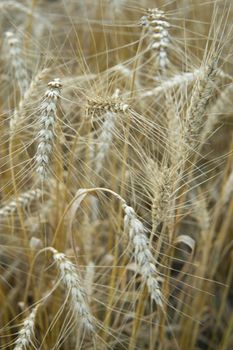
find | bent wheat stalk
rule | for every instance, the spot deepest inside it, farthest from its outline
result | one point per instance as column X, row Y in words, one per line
column 138, row 239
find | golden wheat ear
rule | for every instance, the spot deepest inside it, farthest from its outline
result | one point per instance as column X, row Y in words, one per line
column 70, row 278
column 46, row 135
column 17, row 62
column 157, row 28
column 26, row 333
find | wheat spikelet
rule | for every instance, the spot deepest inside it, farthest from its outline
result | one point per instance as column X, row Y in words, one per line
column 47, row 121
column 157, row 28
column 107, row 109
column 161, row 196
column 17, row 62
column 176, row 81
column 26, row 333
column 24, row 200
column 180, row 80
column 99, row 105
column 142, row 254
column 199, row 101
column 25, row 99
column 72, row 282
column 194, row 120
column 104, row 140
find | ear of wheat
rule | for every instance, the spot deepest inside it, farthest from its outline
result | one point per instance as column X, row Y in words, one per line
column 24, row 339
column 24, row 200
column 142, row 253
column 69, row 277
column 46, row 135
column 17, row 62
column 157, row 27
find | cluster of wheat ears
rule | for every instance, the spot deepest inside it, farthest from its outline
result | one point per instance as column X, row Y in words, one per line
column 116, row 175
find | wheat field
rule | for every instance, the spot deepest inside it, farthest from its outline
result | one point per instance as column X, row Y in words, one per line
column 116, row 175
